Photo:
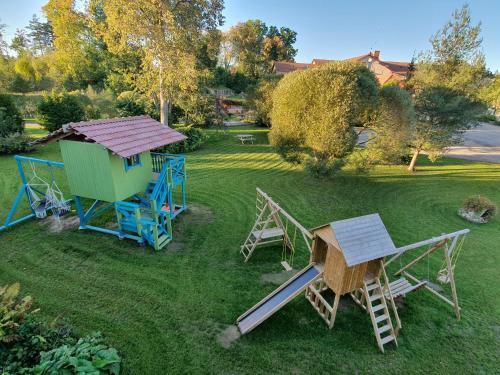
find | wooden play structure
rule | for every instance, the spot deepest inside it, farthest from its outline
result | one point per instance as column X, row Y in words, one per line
column 347, row 258
column 109, row 167
column 273, row 225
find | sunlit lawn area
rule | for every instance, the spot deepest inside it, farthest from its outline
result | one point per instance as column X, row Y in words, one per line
column 164, row 311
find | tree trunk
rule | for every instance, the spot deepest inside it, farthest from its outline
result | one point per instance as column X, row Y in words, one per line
column 413, row 162
column 164, row 109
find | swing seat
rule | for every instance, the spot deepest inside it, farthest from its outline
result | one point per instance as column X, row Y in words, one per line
column 269, row 233
column 401, row 287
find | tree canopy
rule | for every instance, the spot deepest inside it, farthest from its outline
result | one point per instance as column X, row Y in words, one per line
column 314, row 111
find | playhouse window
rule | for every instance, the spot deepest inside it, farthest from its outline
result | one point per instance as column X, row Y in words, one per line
column 132, row 161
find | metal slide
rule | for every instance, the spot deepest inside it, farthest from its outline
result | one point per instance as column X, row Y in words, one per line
column 279, row 298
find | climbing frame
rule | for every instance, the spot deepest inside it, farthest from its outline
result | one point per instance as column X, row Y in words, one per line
column 271, row 226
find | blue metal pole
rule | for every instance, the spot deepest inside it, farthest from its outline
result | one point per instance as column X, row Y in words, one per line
column 80, row 212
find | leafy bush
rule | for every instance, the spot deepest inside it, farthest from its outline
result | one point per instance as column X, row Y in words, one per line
column 129, row 103
column 88, row 356
column 58, row 109
column 323, row 168
column 361, row 160
column 16, row 143
column 13, row 310
column 28, row 346
column 393, row 126
column 317, row 109
column 260, row 101
column 195, row 139
column 11, row 121
column 32, row 338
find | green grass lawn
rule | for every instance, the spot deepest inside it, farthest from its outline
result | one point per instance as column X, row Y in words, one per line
column 164, row 311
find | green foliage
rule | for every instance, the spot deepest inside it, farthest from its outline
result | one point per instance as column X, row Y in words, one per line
column 130, row 103
column 15, row 143
column 58, row 109
column 317, row 110
column 88, row 356
column 323, row 168
column 490, row 93
column 252, row 46
column 11, row 121
column 441, row 114
column 456, row 60
column 260, row 101
column 393, row 127
column 479, row 204
column 32, row 338
column 13, row 311
column 362, row 160
column 195, row 139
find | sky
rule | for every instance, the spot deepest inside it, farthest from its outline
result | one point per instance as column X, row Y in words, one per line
column 334, row 29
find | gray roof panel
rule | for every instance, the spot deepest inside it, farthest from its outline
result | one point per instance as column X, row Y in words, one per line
column 363, row 238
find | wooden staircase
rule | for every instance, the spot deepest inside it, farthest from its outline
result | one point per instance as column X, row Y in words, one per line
column 376, row 305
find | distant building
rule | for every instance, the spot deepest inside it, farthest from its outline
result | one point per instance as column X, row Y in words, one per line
column 385, row 71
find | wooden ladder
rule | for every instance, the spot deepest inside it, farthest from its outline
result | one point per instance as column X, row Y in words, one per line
column 379, row 313
column 259, row 226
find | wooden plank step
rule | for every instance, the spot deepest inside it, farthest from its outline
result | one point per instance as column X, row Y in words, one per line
column 378, row 307
column 371, row 286
column 268, row 233
column 381, row 318
column 375, row 297
column 387, row 339
column 383, row 329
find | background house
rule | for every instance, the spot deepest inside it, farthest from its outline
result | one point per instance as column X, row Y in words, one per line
column 385, row 71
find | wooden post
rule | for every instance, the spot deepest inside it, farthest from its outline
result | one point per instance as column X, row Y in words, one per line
column 334, row 310
column 451, row 276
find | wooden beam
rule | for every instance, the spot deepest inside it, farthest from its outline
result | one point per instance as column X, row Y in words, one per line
column 417, row 259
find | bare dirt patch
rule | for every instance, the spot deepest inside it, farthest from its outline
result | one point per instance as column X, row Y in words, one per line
column 228, row 336
column 277, row 278
column 58, row 225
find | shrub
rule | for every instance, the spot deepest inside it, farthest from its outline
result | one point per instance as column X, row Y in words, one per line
column 28, row 346
column 323, row 168
column 195, row 139
column 11, row 121
column 393, row 126
column 478, row 209
column 318, row 109
column 89, row 355
column 58, row 109
column 16, row 143
column 260, row 101
column 361, row 160
column 130, row 103
column 32, row 338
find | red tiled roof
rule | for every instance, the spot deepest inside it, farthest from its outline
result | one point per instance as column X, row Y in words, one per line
column 396, row 67
column 127, row 136
column 287, row 67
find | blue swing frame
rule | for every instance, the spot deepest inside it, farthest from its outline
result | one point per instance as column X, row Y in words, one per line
column 23, row 190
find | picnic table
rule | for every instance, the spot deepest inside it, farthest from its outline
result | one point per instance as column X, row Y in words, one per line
column 245, row 137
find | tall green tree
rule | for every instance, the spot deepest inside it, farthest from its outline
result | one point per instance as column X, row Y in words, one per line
column 490, row 93
column 3, row 43
column 442, row 114
column 41, row 36
column 252, row 46
column 20, row 42
column 446, row 84
column 169, row 34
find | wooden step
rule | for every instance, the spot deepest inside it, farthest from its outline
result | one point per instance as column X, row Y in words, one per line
column 381, row 318
column 387, row 339
column 378, row 307
column 371, row 286
column 268, row 233
column 383, row 329
column 375, row 297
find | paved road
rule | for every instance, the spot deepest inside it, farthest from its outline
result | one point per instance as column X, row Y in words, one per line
column 480, row 144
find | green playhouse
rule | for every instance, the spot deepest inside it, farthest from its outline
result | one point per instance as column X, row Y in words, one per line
column 109, row 165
